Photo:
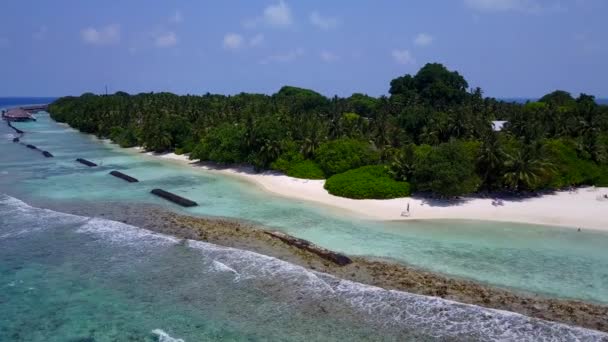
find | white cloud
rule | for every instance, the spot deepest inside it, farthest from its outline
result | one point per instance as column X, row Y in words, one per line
column 497, row 5
column 328, row 56
column 529, row 6
column 40, row 34
column 324, row 23
column 284, row 58
column 256, row 40
column 233, row 41
column 423, row 39
column 403, row 57
column 165, row 39
column 277, row 15
column 106, row 35
column 176, row 17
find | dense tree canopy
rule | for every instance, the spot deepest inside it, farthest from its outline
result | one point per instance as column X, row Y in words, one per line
column 372, row 181
column 341, row 155
column 559, row 98
column 434, row 85
column 448, row 169
column 432, row 131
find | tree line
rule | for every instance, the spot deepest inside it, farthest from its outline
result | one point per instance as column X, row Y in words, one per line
column 431, row 134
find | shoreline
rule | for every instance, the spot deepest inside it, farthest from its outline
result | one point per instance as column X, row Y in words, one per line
column 382, row 273
column 585, row 206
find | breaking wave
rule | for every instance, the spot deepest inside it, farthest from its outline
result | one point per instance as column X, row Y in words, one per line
column 18, row 218
column 429, row 316
column 164, row 337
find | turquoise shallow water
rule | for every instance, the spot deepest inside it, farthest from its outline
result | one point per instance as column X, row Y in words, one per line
column 547, row 260
column 73, row 278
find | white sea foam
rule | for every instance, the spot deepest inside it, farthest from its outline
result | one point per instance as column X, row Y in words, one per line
column 18, row 218
column 54, row 131
column 250, row 266
column 444, row 318
column 122, row 233
column 431, row 316
column 164, row 337
column 221, row 267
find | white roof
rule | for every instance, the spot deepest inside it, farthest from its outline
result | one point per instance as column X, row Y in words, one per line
column 498, row 125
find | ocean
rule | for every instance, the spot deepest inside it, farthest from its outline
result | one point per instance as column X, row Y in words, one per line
column 67, row 277
column 600, row 101
column 21, row 101
column 72, row 278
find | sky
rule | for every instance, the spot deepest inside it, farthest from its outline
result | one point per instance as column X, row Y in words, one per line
column 509, row 48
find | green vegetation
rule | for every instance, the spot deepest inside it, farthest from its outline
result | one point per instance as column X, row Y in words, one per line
column 223, row 144
column 125, row 137
column 447, row 169
column 306, row 169
column 367, row 182
column 602, row 179
column 294, row 164
column 341, row 155
column 570, row 169
column 432, row 132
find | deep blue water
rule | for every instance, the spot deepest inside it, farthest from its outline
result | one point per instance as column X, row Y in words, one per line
column 531, row 99
column 20, row 101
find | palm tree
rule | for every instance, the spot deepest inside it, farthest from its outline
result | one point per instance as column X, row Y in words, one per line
column 380, row 127
column 430, row 135
column 526, row 168
column 270, row 151
column 402, row 166
column 314, row 135
column 491, row 157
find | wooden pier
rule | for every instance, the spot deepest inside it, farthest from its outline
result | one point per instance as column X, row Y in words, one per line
column 35, row 108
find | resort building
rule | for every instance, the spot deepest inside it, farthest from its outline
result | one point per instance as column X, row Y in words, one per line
column 17, row 114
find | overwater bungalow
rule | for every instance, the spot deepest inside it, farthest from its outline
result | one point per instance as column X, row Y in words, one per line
column 17, row 114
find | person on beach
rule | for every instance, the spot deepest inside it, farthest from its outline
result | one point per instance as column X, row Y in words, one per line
column 406, row 213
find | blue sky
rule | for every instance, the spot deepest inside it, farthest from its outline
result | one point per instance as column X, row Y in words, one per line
column 509, row 48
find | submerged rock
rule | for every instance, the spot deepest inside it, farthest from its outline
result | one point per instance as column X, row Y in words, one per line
column 337, row 258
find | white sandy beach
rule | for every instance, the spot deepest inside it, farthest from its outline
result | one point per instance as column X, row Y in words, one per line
column 582, row 208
